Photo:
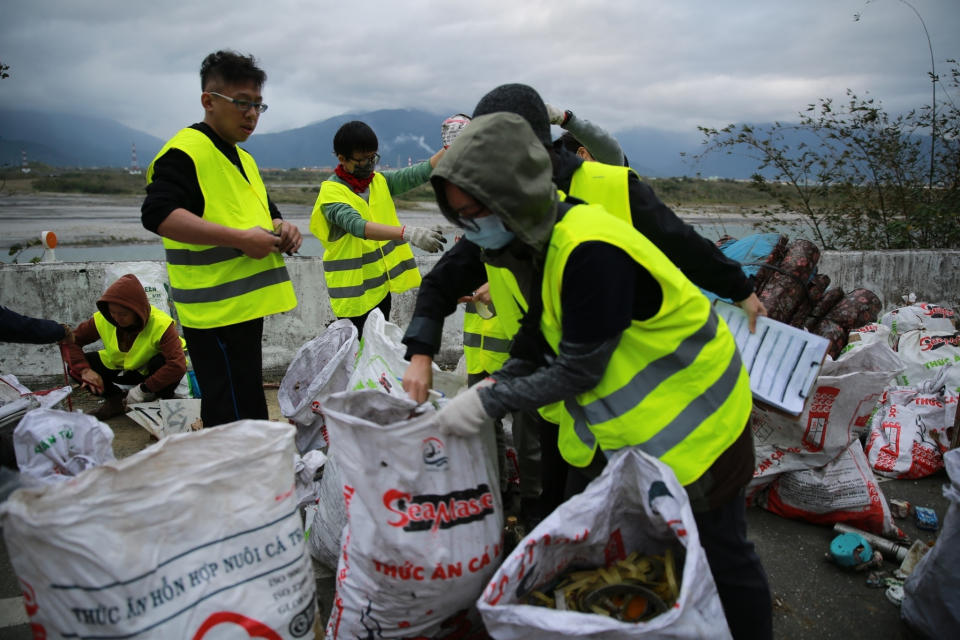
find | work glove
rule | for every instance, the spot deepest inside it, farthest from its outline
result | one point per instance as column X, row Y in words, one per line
column 464, row 415
column 138, row 394
column 430, row 240
column 452, row 127
column 557, row 116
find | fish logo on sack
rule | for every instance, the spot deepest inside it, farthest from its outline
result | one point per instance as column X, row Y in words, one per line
column 434, row 454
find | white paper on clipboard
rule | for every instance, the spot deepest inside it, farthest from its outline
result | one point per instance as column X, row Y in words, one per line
column 783, row 361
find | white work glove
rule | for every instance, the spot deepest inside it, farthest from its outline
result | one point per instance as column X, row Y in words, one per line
column 430, row 240
column 452, row 127
column 137, row 395
column 464, row 414
column 557, row 116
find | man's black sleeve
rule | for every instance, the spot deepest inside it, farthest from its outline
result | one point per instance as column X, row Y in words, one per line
column 699, row 259
column 15, row 327
column 458, row 273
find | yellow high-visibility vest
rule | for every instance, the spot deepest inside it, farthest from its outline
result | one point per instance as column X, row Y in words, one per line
column 486, row 345
column 215, row 286
column 144, row 347
column 674, row 387
column 360, row 273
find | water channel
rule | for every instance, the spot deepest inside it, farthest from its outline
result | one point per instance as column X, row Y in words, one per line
column 107, row 228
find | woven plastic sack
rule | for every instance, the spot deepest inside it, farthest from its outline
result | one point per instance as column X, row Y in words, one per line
column 931, row 593
column 52, row 446
column 198, row 536
column 843, row 490
column 839, row 410
column 636, row 504
column 924, row 354
column 935, row 318
column 908, row 431
column 330, row 517
column 320, row 367
column 380, row 364
column 424, row 520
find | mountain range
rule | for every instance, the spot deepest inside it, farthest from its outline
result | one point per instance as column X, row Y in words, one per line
column 405, row 135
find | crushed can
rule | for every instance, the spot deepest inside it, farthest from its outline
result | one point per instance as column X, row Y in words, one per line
column 926, row 518
column 899, row 508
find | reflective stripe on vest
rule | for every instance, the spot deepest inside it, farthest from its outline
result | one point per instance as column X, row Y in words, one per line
column 360, row 273
column 674, row 386
column 145, row 346
column 485, row 345
column 218, row 286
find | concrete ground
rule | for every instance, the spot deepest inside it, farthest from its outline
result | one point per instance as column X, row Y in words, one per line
column 813, row 599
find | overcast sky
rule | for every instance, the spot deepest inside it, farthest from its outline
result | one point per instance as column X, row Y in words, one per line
column 620, row 63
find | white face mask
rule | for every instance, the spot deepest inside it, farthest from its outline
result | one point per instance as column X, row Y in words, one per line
column 490, row 233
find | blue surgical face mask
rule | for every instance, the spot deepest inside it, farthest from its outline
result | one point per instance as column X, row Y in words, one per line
column 490, row 233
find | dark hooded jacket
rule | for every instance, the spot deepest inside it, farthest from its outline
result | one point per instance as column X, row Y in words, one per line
column 500, row 162
column 128, row 292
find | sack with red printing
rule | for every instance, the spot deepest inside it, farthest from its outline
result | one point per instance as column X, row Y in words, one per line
column 197, row 536
column 843, row 490
column 636, row 504
column 936, row 318
column 842, row 400
column 924, row 354
column 424, row 520
column 909, row 430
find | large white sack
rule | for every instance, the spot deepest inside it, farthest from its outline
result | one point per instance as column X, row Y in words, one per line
column 330, row 517
column 424, row 520
column 931, row 593
column 843, row 490
column 909, row 431
column 924, row 354
column 52, row 446
column 842, row 401
column 920, row 315
column 197, row 536
column 320, row 367
column 380, row 364
column 152, row 275
column 637, row 504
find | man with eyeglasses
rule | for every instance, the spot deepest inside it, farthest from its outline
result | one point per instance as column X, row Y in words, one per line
column 223, row 239
column 366, row 251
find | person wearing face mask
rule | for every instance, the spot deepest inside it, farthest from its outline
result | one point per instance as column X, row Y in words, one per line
column 617, row 343
column 366, row 250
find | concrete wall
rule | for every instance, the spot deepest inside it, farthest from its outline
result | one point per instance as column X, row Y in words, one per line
column 67, row 292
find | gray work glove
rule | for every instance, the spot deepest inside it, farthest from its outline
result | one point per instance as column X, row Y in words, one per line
column 557, row 116
column 464, row 415
column 430, row 240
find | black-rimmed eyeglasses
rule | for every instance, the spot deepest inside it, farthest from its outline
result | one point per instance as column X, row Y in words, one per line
column 242, row 105
column 368, row 161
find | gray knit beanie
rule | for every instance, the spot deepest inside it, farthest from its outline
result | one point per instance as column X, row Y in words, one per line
column 522, row 100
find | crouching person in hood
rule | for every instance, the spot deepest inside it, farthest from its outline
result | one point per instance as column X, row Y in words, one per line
column 141, row 347
column 617, row 346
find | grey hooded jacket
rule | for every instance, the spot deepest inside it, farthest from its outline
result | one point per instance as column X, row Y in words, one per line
column 499, row 161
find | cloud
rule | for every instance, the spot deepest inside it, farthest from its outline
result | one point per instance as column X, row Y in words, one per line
column 620, row 64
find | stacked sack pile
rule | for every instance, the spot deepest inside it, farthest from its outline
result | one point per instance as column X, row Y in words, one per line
column 915, row 420
column 813, row 466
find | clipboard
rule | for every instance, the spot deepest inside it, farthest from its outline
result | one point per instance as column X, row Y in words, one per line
column 783, row 361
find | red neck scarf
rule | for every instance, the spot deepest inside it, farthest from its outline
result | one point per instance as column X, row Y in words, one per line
column 358, row 185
